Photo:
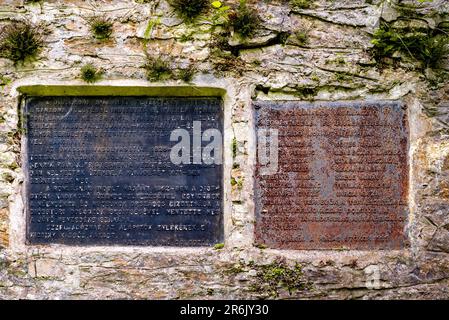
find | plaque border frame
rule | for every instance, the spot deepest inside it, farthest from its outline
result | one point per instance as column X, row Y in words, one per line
column 19, row 212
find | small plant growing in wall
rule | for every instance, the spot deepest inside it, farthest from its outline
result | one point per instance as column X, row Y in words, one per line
column 301, row 4
column 302, row 37
column 429, row 47
column 244, row 20
column 220, row 14
column 90, row 74
column 234, row 148
column 20, row 41
column 101, row 27
column 158, row 69
column 302, row 34
column 189, row 10
column 187, row 74
column 4, row 81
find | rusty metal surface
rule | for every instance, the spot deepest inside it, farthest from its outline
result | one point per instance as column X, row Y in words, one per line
column 99, row 172
column 342, row 180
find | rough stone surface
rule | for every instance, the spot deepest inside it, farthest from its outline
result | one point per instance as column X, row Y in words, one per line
column 331, row 62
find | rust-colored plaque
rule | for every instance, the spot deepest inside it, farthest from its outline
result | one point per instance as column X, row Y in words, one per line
column 341, row 177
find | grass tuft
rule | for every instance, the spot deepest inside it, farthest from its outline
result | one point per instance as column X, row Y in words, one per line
column 158, row 69
column 20, row 41
column 90, row 74
column 101, row 27
column 188, row 73
column 244, row 20
column 429, row 47
column 189, row 10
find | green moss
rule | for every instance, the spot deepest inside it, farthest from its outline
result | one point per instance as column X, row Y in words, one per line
column 149, row 29
column 90, row 74
column 235, row 269
column 437, row 79
column 101, row 27
column 237, row 182
column 410, row 10
column 4, row 264
column 234, row 147
column 244, row 20
column 276, row 275
column 340, row 61
column 429, row 47
column 302, row 37
column 20, row 41
column 4, row 81
column 240, row 183
column 187, row 74
column 189, row 10
column 8, row 177
column 301, row 4
column 219, row 246
column 102, row 90
column 343, row 76
column 315, row 77
column 270, row 279
column 13, row 166
column 186, row 37
column 306, row 93
column 158, row 69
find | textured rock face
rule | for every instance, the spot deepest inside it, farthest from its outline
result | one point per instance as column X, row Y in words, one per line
column 326, row 57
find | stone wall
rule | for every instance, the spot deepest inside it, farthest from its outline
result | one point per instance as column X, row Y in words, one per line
column 321, row 52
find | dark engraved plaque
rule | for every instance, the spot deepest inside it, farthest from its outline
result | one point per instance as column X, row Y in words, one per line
column 99, row 172
column 341, row 179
